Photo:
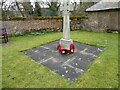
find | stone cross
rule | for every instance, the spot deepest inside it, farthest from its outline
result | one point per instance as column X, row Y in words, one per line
column 66, row 8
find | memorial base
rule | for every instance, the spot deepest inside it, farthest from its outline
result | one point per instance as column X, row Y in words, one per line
column 66, row 46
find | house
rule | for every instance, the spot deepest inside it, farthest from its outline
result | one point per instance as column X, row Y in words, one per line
column 103, row 16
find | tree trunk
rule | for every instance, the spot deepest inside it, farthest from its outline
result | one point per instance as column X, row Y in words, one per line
column 19, row 9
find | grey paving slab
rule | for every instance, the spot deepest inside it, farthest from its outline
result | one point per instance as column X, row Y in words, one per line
column 68, row 66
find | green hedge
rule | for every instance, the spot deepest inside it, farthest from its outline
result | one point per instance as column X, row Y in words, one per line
column 59, row 17
column 44, row 18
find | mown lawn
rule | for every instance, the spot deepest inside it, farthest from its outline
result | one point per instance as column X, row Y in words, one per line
column 20, row 71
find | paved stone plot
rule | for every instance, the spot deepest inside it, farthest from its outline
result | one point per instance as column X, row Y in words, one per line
column 69, row 66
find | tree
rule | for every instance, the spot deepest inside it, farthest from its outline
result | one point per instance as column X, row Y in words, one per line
column 53, row 6
column 25, row 8
column 37, row 9
column 28, row 9
column 81, row 7
column 13, row 7
column 17, row 4
column 5, row 8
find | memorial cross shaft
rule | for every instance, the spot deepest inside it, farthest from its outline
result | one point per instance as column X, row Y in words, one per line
column 66, row 8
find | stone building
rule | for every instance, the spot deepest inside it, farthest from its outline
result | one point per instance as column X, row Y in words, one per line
column 103, row 17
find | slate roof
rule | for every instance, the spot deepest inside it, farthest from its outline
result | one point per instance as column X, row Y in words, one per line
column 105, row 5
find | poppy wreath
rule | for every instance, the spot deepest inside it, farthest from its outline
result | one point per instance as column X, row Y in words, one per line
column 72, row 48
column 66, row 51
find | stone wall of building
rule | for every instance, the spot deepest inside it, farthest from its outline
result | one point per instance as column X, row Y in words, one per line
column 113, row 21
column 102, row 21
column 38, row 25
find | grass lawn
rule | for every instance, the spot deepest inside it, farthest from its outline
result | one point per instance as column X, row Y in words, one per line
column 20, row 71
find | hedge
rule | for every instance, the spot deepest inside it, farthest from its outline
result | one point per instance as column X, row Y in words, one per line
column 44, row 18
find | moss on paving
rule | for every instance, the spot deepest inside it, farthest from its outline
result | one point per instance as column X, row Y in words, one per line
column 20, row 71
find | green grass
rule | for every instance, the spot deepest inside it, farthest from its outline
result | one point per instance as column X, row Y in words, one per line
column 0, row 67
column 20, row 71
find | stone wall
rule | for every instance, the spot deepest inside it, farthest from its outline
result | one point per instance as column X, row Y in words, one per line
column 102, row 21
column 38, row 25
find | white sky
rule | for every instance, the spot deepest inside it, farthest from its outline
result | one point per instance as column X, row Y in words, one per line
column 32, row 1
column 61, row 0
column 43, row 1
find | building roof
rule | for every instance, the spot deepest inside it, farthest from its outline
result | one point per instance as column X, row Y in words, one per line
column 105, row 5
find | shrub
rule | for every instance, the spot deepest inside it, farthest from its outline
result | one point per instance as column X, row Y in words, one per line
column 46, row 18
column 19, row 33
column 18, row 18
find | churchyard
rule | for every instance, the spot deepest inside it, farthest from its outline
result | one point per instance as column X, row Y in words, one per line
column 61, row 51
column 21, row 71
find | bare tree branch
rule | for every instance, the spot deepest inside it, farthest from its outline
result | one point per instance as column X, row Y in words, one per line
column 19, row 9
column 2, row 3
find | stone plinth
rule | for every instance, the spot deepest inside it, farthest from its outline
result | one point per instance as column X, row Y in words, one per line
column 65, row 43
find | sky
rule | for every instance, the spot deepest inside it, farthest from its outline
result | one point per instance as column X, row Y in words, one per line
column 43, row 5
column 44, row 1
column 8, row 1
